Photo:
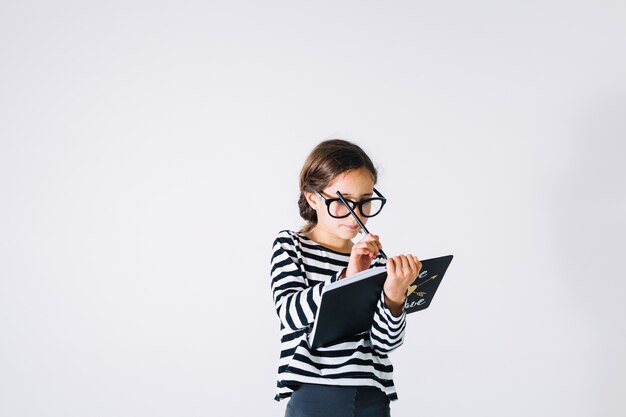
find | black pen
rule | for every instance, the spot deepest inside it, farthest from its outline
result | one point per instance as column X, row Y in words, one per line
column 343, row 200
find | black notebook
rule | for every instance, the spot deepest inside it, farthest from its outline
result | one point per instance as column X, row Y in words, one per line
column 347, row 306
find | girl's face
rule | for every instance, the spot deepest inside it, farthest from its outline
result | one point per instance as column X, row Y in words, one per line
column 354, row 185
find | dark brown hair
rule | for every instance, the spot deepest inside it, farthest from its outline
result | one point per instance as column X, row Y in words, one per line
column 328, row 160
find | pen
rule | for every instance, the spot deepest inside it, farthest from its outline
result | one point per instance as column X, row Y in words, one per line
column 343, row 200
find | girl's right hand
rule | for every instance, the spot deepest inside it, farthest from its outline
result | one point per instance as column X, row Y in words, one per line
column 363, row 253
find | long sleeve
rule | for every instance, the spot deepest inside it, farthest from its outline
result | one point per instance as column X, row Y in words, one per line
column 387, row 331
column 300, row 269
column 296, row 301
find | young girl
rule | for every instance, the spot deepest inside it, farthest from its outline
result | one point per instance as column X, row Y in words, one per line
column 353, row 377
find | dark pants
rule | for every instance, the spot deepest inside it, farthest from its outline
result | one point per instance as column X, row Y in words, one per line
column 311, row 400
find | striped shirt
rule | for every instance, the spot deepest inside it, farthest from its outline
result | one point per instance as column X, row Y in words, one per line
column 299, row 270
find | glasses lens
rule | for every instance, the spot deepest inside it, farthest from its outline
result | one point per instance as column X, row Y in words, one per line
column 338, row 209
column 372, row 207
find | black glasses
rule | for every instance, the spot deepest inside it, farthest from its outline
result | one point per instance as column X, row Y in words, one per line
column 369, row 207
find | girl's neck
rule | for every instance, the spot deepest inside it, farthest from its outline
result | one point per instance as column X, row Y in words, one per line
column 329, row 240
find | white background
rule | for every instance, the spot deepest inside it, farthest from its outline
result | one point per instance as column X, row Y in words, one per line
column 150, row 152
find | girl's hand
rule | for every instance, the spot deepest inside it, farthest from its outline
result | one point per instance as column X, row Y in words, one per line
column 363, row 253
column 401, row 272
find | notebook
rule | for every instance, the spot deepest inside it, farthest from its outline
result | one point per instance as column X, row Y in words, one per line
column 347, row 306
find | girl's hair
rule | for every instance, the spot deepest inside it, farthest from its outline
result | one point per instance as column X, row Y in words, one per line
column 328, row 160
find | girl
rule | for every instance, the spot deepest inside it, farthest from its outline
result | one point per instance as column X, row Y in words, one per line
column 353, row 377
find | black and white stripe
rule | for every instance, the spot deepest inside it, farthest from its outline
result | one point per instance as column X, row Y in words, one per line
column 299, row 270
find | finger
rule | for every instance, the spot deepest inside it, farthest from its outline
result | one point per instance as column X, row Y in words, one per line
column 374, row 241
column 370, row 238
column 367, row 242
column 378, row 243
column 404, row 262
column 397, row 270
column 391, row 265
column 367, row 237
column 408, row 269
column 362, row 251
column 411, row 262
column 375, row 246
column 370, row 247
column 414, row 264
column 419, row 264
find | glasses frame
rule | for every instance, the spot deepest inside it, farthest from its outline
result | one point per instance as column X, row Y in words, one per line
column 354, row 204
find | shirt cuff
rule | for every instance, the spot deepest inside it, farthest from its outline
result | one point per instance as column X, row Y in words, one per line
column 394, row 320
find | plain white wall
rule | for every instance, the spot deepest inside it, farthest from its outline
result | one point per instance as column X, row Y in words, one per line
column 150, row 151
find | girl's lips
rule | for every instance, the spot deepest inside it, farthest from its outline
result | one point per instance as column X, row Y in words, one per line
column 355, row 227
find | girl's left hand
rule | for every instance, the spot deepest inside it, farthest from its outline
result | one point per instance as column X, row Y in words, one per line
column 401, row 272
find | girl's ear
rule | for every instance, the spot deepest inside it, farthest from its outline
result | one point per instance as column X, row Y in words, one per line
column 312, row 199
